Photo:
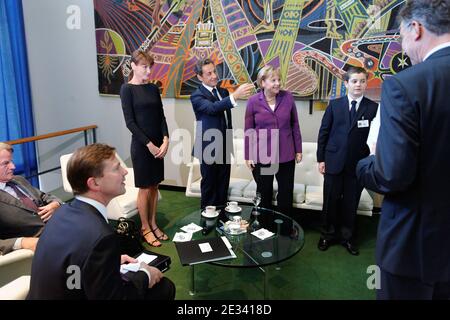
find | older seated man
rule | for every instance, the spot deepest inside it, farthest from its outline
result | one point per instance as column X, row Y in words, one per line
column 24, row 210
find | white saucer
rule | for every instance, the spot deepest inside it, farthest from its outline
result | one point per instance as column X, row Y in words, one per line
column 236, row 211
column 210, row 216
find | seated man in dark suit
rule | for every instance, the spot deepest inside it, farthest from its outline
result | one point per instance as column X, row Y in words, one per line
column 78, row 253
column 24, row 210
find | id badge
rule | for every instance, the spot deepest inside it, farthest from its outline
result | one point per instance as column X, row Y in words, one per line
column 363, row 123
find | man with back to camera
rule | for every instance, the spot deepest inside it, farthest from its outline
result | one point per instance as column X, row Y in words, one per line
column 341, row 143
column 212, row 107
column 79, row 244
column 410, row 165
column 24, row 209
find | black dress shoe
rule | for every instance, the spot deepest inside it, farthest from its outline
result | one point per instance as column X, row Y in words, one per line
column 351, row 248
column 323, row 244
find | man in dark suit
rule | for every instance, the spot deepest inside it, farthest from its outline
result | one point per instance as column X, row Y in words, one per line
column 77, row 256
column 341, row 143
column 24, row 210
column 213, row 142
column 410, row 165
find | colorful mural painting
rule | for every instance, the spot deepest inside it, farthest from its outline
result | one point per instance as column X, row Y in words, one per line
column 313, row 42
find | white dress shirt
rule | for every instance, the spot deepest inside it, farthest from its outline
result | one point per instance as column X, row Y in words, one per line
column 358, row 102
column 435, row 49
column 210, row 89
column 10, row 190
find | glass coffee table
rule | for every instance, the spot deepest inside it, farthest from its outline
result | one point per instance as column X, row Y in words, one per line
column 251, row 252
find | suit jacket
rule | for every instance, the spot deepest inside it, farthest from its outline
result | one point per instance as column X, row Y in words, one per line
column 210, row 114
column 411, row 168
column 16, row 219
column 260, row 117
column 341, row 143
column 78, row 235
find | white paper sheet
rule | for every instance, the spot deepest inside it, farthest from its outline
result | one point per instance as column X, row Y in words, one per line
column 182, row 237
column 191, row 228
column 205, row 247
column 134, row 267
column 262, row 233
column 373, row 132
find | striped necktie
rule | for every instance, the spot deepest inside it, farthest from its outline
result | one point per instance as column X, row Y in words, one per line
column 29, row 203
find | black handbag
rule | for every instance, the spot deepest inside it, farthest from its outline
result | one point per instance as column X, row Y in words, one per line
column 129, row 237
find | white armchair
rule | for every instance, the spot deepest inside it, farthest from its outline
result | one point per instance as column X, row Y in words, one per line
column 124, row 205
column 15, row 270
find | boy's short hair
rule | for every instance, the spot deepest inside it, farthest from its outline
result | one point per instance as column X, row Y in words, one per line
column 354, row 70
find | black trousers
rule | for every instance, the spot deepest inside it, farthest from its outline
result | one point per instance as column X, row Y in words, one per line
column 394, row 287
column 214, row 184
column 284, row 173
column 341, row 194
column 163, row 290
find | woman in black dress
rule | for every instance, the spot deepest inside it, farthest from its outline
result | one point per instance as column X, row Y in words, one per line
column 144, row 117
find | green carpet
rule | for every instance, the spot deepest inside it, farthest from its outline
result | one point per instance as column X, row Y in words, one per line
column 309, row 275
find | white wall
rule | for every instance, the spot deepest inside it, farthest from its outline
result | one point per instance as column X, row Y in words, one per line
column 64, row 86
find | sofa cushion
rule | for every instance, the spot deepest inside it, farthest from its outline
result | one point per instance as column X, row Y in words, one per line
column 123, row 204
column 195, row 186
column 299, row 193
column 237, row 186
column 314, row 196
column 250, row 190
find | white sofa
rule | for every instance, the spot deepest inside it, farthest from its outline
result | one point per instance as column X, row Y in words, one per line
column 308, row 183
column 121, row 206
column 15, row 270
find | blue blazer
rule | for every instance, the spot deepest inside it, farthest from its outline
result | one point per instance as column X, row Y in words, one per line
column 78, row 235
column 411, row 169
column 210, row 114
column 341, row 143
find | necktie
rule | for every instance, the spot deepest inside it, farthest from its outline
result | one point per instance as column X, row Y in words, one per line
column 23, row 197
column 353, row 111
column 216, row 94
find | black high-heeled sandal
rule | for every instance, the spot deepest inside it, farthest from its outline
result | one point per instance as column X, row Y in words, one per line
column 152, row 243
column 163, row 237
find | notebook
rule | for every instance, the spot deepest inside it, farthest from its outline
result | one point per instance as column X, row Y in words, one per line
column 203, row 250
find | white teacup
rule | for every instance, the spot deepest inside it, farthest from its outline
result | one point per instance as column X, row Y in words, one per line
column 232, row 206
column 210, row 210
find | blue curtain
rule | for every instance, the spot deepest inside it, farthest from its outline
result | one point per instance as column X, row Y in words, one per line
column 16, row 117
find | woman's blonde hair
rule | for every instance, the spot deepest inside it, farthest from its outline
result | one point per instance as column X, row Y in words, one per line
column 265, row 73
